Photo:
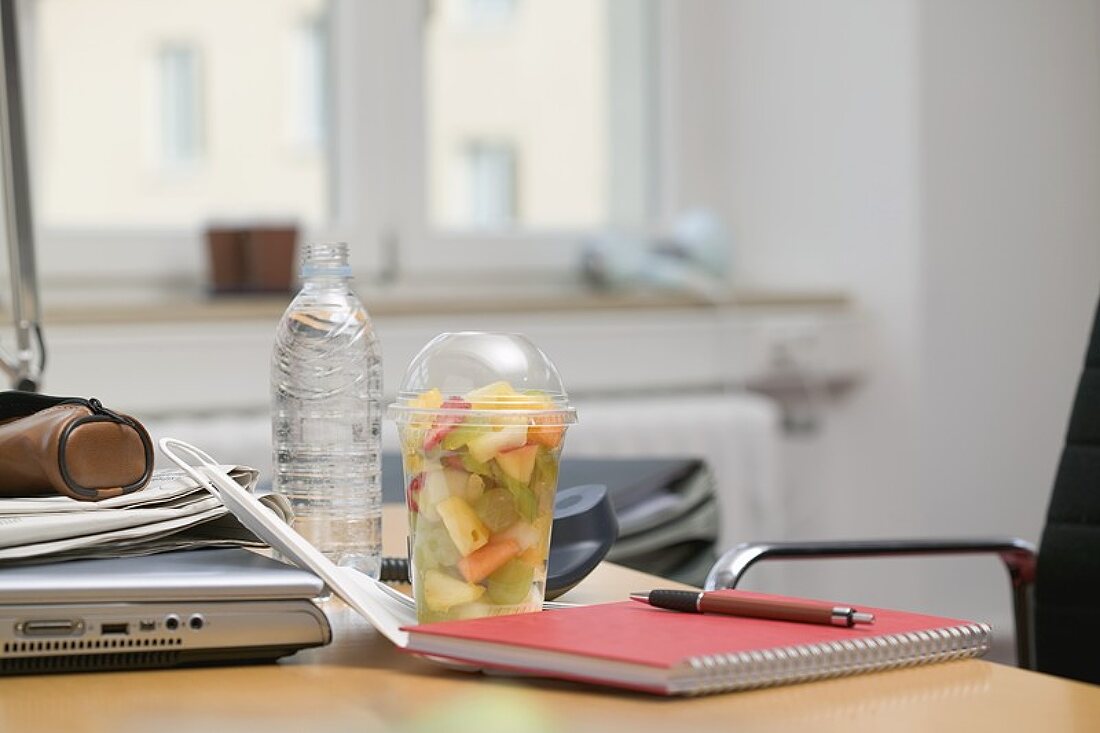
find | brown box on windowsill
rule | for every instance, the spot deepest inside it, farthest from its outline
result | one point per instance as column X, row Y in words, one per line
column 255, row 258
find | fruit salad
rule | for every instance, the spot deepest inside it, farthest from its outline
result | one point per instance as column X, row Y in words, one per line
column 481, row 470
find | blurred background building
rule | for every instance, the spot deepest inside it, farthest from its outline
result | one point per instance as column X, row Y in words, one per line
column 205, row 110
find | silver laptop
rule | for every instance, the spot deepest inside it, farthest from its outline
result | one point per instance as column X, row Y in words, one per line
column 172, row 609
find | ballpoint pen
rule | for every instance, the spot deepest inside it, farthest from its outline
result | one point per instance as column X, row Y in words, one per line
column 733, row 604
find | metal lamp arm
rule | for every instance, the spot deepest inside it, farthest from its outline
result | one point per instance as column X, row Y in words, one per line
column 25, row 365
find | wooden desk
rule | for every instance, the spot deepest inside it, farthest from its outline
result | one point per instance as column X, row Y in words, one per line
column 360, row 683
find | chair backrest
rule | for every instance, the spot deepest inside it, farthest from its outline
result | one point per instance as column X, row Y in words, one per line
column 1067, row 589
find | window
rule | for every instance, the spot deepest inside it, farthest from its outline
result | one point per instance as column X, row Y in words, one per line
column 180, row 97
column 487, row 187
column 486, row 14
column 560, row 82
column 448, row 133
column 308, row 111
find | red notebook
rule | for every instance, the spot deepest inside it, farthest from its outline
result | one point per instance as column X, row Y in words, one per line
column 640, row 647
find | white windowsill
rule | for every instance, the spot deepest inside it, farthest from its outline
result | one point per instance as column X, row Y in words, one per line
column 125, row 303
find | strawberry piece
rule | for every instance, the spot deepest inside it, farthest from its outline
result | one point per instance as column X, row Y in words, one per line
column 454, row 461
column 412, row 491
column 445, row 423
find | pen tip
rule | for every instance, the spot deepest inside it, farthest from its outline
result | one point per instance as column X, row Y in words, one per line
column 860, row 617
column 643, row 597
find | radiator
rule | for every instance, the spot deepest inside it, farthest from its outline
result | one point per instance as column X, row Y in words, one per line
column 737, row 434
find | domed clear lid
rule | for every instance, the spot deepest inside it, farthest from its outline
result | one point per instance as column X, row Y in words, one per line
column 481, row 371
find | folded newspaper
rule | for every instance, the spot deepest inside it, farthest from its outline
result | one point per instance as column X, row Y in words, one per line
column 173, row 512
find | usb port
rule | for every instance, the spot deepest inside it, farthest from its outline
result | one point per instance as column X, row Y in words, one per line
column 114, row 628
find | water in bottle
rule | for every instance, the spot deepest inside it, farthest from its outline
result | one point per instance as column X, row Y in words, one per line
column 326, row 385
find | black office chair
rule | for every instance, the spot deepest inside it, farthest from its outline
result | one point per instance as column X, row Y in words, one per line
column 1056, row 592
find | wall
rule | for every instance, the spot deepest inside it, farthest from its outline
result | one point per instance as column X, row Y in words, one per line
column 940, row 160
column 1011, row 134
column 825, row 190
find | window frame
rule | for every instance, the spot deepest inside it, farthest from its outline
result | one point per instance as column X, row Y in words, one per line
column 376, row 148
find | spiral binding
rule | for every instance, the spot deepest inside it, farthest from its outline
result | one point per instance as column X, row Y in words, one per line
column 764, row 668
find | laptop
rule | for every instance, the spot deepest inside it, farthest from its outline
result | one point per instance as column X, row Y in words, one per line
column 228, row 606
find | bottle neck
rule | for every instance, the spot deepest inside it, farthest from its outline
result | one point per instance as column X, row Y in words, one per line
column 324, row 282
column 326, row 265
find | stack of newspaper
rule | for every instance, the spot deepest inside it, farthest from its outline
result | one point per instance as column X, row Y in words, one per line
column 173, row 512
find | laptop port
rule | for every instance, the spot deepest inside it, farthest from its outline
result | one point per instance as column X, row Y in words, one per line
column 147, row 625
column 51, row 627
column 119, row 628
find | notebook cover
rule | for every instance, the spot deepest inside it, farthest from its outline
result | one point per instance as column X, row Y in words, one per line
column 640, row 634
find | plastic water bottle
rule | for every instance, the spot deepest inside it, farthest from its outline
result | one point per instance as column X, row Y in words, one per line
column 326, row 393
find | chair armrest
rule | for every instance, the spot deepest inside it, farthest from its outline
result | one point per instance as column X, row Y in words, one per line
column 1018, row 556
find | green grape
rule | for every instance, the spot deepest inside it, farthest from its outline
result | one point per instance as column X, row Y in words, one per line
column 475, row 466
column 527, row 504
column 434, row 547
column 496, row 509
column 545, row 476
column 460, row 436
column 424, row 558
column 511, row 583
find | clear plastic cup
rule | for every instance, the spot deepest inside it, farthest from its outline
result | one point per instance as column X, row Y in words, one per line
column 482, row 419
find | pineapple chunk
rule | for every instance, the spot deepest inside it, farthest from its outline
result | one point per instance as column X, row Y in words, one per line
column 429, row 400
column 493, row 396
column 441, row 591
column 485, row 446
column 467, row 531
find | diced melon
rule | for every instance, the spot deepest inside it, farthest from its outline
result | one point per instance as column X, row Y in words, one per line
column 486, row 446
column 518, row 462
column 480, row 564
column 475, row 487
column 435, row 489
column 546, row 430
column 467, row 531
column 525, row 535
column 441, row 591
column 456, row 480
column 533, row 556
